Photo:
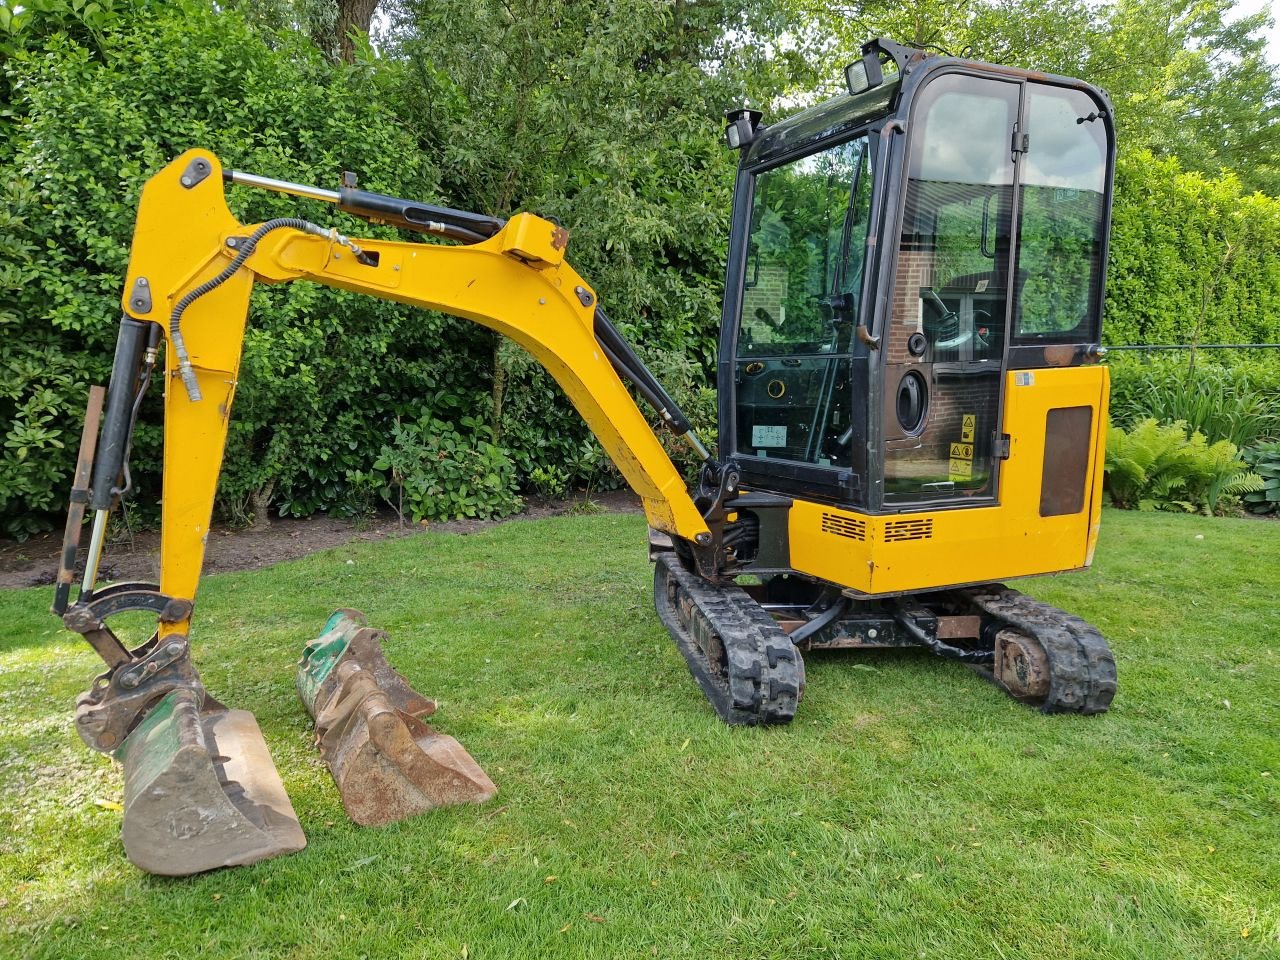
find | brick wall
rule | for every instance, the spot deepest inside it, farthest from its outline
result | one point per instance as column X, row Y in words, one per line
column 915, row 270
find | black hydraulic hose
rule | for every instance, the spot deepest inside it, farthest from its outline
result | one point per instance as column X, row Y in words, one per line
column 144, row 382
column 624, row 360
column 616, row 362
column 242, row 254
column 420, row 217
column 827, row 616
column 117, row 416
column 937, row 646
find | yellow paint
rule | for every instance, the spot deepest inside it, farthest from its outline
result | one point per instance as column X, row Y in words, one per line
column 978, row 544
column 516, row 283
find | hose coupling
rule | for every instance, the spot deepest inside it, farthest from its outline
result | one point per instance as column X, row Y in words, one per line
column 188, row 374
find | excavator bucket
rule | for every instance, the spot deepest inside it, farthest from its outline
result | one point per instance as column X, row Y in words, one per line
column 388, row 764
column 201, row 792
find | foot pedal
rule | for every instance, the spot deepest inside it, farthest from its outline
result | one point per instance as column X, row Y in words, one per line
column 388, row 764
column 201, row 792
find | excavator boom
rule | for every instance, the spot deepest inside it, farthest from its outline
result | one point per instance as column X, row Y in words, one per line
column 516, row 283
column 192, row 269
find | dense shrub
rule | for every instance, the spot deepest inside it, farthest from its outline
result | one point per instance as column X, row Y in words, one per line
column 1239, row 401
column 1264, row 460
column 325, row 373
column 1192, row 260
column 431, row 471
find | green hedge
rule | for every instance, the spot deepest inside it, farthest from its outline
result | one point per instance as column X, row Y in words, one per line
column 326, row 375
column 1192, row 260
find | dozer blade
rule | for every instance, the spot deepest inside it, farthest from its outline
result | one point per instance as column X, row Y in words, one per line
column 387, row 763
column 201, row 792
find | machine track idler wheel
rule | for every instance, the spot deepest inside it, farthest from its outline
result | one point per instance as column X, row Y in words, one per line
column 1044, row 656
column 743, row 661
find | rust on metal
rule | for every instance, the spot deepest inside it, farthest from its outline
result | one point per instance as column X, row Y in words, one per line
column 79, row 497
column 110, row 709
column 1059, row 354
column 1021, row 665
column 959, row 627
column 386, row 762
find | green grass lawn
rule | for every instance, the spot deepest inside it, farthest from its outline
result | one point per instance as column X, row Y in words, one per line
column 911, row 810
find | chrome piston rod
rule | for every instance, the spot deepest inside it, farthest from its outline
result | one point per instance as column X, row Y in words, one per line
column 281, row 186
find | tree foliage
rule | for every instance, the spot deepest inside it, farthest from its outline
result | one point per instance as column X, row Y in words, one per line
column 1193, row 259
column 325, row 373
column 1188, row 78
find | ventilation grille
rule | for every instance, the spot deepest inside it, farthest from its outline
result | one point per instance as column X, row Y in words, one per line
column 895, row 530
column 844, row 526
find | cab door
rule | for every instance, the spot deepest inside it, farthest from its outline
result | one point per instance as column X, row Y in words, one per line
column 944, row 344
column 797, row 424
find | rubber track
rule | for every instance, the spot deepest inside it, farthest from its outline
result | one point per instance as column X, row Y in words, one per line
column 1082, row 670
column 761, row 678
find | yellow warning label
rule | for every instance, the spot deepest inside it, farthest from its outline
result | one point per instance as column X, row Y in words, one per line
column 967, row 425
column 962, row 451
column 960, row 470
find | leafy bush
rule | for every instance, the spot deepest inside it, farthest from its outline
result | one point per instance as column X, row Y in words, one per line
column 1158, row 466
column 1264, row 460
column 1236, row 402
column 325, row 373
column 431, row 471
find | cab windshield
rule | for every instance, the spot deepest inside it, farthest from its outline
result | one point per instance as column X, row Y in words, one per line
column 803, row 281
column 805, row 253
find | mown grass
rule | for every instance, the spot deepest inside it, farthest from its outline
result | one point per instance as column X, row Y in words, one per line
column 910, row 811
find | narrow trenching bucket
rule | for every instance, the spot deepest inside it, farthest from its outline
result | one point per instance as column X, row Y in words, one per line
column 201, row 792
column 387, row 763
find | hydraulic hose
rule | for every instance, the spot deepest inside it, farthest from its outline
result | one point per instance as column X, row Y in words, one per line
column 828, row 615
column 245, row 250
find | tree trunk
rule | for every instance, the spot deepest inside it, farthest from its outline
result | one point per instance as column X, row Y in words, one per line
column 357, row 14
column 260, row 505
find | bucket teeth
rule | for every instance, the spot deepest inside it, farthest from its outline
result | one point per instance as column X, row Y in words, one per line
column 387, row 763
column 201, row 792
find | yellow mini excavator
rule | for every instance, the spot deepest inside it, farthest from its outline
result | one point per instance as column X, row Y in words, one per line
column 910, row 411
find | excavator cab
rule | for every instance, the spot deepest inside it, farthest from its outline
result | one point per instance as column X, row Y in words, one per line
column 903, row 260
column 878, row 290
column 910, row 411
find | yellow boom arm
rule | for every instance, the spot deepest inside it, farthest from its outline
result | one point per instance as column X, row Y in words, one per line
column 517, row 283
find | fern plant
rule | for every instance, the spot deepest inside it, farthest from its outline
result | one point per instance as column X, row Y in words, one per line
column 1155, row 466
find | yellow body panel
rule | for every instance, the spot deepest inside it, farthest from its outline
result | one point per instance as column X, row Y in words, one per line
column 516, row 283
column 909, row 552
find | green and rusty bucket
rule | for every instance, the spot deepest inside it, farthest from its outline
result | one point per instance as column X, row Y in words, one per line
column 201, row 792
column 387, row 763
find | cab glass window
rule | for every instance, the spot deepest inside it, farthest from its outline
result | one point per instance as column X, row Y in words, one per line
column 1063, row 207
column 806, row 248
